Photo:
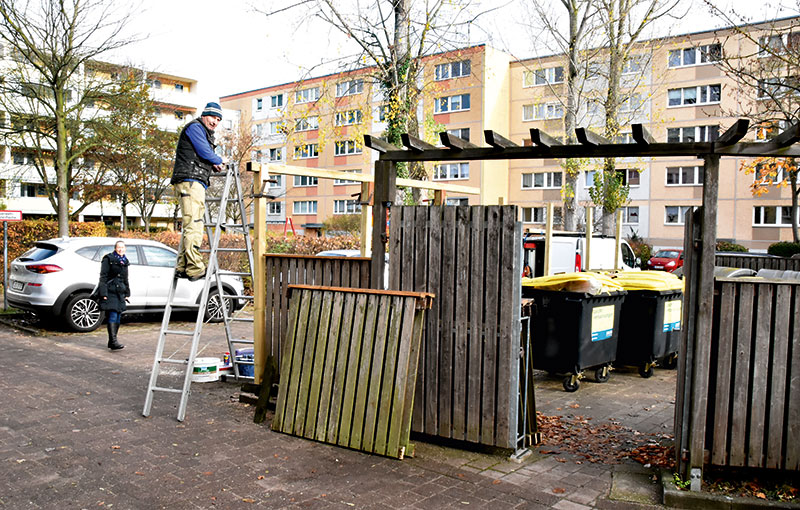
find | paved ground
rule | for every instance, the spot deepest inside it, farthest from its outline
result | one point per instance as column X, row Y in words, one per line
column 72, row 436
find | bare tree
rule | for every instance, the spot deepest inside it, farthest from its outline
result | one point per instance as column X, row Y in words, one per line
column 237, row 144
column 52, row 84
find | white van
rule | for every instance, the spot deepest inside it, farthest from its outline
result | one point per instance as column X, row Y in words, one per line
column 568, row 254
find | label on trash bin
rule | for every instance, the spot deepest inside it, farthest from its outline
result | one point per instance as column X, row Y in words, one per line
column 672, row 315
column 602, row 323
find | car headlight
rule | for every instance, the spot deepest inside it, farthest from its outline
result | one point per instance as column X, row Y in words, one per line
column 670, row 263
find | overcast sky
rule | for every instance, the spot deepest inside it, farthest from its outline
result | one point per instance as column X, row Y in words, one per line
column 230, row 48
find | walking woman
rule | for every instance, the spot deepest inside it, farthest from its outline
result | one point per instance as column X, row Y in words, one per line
column 113, row 290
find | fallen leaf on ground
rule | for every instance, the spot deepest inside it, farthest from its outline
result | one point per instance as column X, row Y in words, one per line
column 559, row 490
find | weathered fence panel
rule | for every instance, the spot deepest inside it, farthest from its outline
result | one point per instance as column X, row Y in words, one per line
column 754, row 390
column 283, row 270
column 349, row 367
column 468, row 387
column 755, row 262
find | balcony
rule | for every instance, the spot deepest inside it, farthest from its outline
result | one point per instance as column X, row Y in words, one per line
column 174, row 97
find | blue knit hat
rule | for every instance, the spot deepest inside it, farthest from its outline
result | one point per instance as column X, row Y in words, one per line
column 212, row 109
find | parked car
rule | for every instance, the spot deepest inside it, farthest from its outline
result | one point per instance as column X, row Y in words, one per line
column 666, row 260
column 56, row 277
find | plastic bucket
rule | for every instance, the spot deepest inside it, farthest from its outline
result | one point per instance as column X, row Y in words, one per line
column 205, row 370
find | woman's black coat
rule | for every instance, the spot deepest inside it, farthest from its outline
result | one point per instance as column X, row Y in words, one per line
column 113, row 284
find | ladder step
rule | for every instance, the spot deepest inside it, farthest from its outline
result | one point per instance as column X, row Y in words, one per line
column 242, row 319
column 237, row 296
column 168, row 390
column 218, row 174
column 213, row 199
column 177, row 332
column 241, row 341
column 224, row 225
column 225, row 249
column 174, row 361
column 234, row 273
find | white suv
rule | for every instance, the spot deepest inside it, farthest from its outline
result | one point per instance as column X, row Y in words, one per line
column 56, row 277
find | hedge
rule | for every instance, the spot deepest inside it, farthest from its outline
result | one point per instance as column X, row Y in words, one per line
column 784, row 249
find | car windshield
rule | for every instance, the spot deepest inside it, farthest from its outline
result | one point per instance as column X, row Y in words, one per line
column 40, row 252
column 667, row 254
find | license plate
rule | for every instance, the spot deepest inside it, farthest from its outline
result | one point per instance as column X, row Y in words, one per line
column 17, row 285
column 659, row 267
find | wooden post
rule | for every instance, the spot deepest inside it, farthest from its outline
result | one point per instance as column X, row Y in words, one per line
column 589, row 231
column 260, row 347
column 385, row 177
column 438, row 197
column 366, row 214
column 619, row 239
column 699, row 343
column 548, row 237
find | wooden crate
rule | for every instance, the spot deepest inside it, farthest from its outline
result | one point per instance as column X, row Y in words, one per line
column 349, row 367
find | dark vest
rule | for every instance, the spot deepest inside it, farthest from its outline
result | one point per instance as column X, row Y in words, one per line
column 188, row 164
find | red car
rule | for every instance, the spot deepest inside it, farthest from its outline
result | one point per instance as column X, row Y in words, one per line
column 666, row 260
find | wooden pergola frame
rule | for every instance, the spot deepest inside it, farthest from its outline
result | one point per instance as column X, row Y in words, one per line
column 693, row 380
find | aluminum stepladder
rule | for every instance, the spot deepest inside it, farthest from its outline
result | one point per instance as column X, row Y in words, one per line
column 232, row 186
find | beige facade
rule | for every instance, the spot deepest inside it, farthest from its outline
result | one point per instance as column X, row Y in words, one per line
column 676, row 90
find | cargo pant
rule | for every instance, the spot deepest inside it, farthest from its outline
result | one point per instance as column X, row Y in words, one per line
column 192, row 197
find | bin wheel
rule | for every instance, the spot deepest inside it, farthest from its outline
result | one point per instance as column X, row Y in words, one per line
column 672, row 362
column 646, row 370
column 571, row 383
column 602, row 374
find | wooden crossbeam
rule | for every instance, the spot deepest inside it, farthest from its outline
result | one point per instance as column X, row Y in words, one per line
column 734, row 133
column 641, row 135
column 542, row 139
column 375, row 143
column 788, row 137
column 455, row 143
column 586, row 137
column 498, row 141
column 415, row 144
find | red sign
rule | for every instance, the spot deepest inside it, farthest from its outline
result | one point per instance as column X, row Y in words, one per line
column 10, row 215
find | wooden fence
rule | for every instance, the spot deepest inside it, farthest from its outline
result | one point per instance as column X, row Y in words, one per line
column 283, row 270
column 754, row 387
column 349, row 370
column 755, row 263
column 468, row 386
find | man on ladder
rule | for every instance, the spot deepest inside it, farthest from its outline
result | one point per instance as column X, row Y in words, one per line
column 194, row 161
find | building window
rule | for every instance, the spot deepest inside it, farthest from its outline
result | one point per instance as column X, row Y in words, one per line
column 451, row 104
column 630, row 176
column 690, row 96
column 304, row 181
column 771, row 176
column 344, row 182
column 346, row 148
column 305, row 207
column 179, row 87
column 452, row 70
column 156, row 84
column 541, row 180
column 307, row 124
column 631, row 103
column 451, row 171
column 692, row 134
column 539, row 215
column 306, row 95
column 776, row 44
column 634, row 64
column 544, row 76
column 306, row 151
column 630, row 215
column 348, row 118
column 275, row 127
column 21, row 158
column 457, row 201
column 542, row 111
column 706, row 54
column 32, row 190
column 462, row 133
column 684, row 175
column 259, row 104
column 349, row 88
column 777, row 88
column 382, row 109
column 275, row 154
column 624, row 138
column 275, row 181
column 772, row 215
column 346, row 207
column 274, row 207
column 675, row 214
column 276, row 101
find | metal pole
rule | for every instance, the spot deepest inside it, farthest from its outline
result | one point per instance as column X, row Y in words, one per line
column 5, row 264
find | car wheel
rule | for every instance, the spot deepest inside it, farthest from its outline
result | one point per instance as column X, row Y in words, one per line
column 82, row 313
column 214, row 307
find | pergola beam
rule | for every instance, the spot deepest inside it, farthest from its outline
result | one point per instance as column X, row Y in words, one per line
column 734, row 133
column 788, row 137
column 498, row 141
column 375, row 143
column 542, row 139
column 586, row 137
column 455, row 143
column 415, row 144
column 641, row 135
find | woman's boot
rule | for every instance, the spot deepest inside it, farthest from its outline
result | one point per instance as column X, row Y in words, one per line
column 113, row 328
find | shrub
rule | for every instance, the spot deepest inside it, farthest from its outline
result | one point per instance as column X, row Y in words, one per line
column 641, row 249
column 784, row 249
column 728, row 246
column 343, row 224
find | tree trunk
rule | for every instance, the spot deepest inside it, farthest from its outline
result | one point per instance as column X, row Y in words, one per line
column 793, row 182
column 62, row 169
column 570, row 215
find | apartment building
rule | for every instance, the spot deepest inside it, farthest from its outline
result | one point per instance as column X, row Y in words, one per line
column 21, row 184
column 673, row 86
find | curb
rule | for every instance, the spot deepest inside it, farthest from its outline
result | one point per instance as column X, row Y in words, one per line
column 676, row 498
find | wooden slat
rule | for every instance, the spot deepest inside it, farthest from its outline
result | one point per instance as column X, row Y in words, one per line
column 269, row 334
column 433, row 338
column 307, row 370
column 298, row 352
column 413, row 363
column 335, row 419
column 330, row 363
column 758, row 404
column 727, row 314
column 741, row 380
column 395, row 241
column 497, row 141
column 376, row 372
column 415, row 144
column 779, row 356
column 446, row 361
column 477, row 275
column 508, row 340
column 491, row 330
column 387, row 395
column 280, row 406
column 353, row 364
column 314, row 398
column 362, row 392
column 461, row 310
column 542, row 139
column 406, row 368
column 793, row 394
column 420, row 270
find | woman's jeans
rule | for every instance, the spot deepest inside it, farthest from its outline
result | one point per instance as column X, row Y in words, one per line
column 113, row 317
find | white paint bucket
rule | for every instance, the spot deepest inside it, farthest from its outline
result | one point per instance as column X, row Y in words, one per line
column 205, row 370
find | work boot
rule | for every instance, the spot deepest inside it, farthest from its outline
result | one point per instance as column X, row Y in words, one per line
column 113, row 327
